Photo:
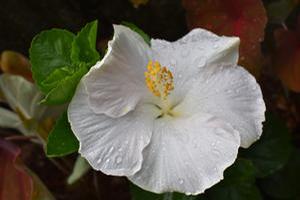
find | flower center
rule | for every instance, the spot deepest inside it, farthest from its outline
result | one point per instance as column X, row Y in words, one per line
column 159, row 80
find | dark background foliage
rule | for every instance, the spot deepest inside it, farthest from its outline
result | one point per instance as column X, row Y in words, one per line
column 21, row 20
column 267, row 170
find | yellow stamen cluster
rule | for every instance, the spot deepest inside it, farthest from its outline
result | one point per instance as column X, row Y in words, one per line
column 159, row 80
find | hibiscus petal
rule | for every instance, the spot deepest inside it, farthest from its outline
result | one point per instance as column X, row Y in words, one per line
column 231, row 94
column 112, row 145
column 186, row 56
column 196, row 49
column 187, row 154
column 116, row 83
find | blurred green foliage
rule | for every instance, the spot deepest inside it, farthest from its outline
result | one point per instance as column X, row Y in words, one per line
column 59, row 59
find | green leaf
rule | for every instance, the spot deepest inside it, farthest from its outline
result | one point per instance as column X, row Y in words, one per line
column 133, row 27
column 61, row 140
column 238, row 183
column 84, row 45
column 284, row 184
column 49, row 51
column 55, row 77
column 272, row 150
column 140, row 194
column 63, row 90
column 59, row 59
column 278, row 11
column 81, row 167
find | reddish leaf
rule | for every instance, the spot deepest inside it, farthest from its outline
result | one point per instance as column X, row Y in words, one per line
column 243, row 18
column 287, row 57
column 15, row 183
column 15, row 63
column 137, row 3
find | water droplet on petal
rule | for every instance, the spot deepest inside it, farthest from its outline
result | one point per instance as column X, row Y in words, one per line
column 217, row 90
column 220, row 131
column 107, row 160
column 186, row 163
column 111, row 149
column 200, row 62
column 118, row 160
column 216, row 169
column 215, row 46
column 200, row 48
column 216, row 151
column 99, row 160
column 215, row 39
column 228, row 91
column 181, row 181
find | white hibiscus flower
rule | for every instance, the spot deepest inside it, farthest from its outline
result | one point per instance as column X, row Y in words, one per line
column 170, row 117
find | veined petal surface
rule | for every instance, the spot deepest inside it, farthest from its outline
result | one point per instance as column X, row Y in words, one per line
column 187, row 154
column 116, row 84
column 214, row 109
column 186, row 56
column 112, row 145
column 230, row 93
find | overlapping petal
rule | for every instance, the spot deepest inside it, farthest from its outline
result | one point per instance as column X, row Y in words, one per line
column 187, row 154
column 186, row 56
column 197, row 48
column 217, row 109
column 231, row 94
column 112, row 145
column 115, row 85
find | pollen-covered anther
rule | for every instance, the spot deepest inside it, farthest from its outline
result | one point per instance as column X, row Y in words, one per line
column 159, row 80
